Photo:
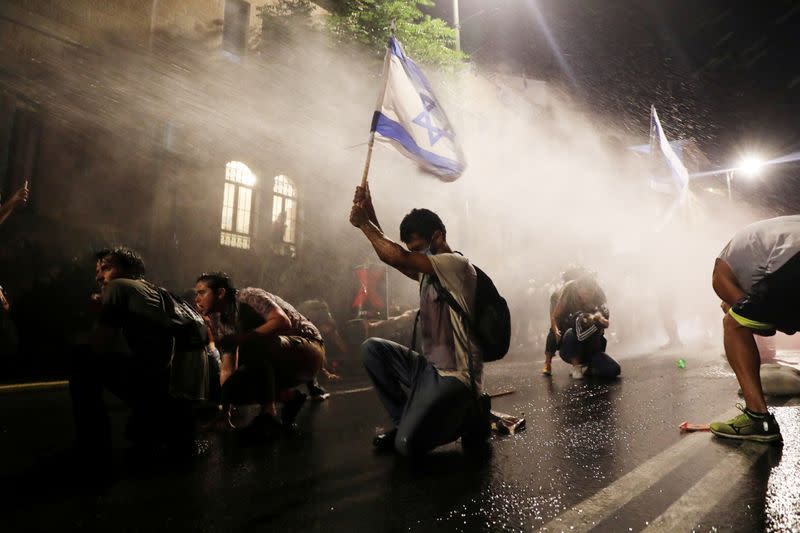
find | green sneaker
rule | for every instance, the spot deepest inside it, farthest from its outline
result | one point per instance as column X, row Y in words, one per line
column 748, row 426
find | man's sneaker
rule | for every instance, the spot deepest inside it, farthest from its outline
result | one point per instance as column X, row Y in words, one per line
column 578, row 371
column 317, row 393
column 748, row 426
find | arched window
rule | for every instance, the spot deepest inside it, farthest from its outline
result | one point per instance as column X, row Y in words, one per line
column 237, row 206
column 284, row 216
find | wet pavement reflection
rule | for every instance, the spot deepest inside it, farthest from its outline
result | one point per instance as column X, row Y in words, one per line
column 603, row 456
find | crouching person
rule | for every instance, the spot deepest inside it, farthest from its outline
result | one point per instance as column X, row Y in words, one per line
column 269, row 347
column 428, row 395
column 756, row 277
column 578, row 324
column 129, row 354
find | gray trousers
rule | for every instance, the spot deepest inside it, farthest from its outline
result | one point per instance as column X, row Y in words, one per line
column 428, row 409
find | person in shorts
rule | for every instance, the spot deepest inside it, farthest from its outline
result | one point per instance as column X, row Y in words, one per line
column 757, row 277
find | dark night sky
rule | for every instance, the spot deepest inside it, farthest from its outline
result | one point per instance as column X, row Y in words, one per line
column 722, row 72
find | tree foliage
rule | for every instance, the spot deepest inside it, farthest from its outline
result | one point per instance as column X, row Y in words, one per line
column 426, row 39
column 285, row 9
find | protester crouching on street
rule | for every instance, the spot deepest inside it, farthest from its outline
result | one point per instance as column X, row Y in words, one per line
column 267, row 347
column 551, row 345
column 578, row 324
column 756, row 277
column 128, row 354
column 427, row 395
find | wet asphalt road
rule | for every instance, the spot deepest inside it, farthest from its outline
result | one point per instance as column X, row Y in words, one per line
column 595, row 456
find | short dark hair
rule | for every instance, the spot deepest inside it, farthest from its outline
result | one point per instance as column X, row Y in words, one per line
column 126, row 259
column 423, row 222
column 218, row 280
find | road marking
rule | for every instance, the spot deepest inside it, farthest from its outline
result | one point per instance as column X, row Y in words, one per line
column 48, row 384
column 351, row 391
column 587, row 514
column 36, row 385
column 687, row 511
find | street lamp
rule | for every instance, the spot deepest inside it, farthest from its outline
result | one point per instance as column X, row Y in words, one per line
column 750, row 166
column 457, row 25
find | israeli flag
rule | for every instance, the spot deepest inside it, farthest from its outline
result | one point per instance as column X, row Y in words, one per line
column 668, row 169
column 409, row 117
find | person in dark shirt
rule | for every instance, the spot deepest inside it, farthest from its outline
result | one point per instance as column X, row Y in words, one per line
column 129, row 354
column 271, row 347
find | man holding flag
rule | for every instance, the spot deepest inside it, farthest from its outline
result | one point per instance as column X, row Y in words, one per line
column 428, row 395
column 432, row 396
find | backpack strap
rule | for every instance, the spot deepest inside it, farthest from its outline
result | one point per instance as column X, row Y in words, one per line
column 445, row 295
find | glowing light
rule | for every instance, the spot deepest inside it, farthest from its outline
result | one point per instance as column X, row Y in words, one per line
column 750, row 165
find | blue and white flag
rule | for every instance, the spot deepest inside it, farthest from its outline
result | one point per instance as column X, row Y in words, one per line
column 409, row 117
column 668, row 169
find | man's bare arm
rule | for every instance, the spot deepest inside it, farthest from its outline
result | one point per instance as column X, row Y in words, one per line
column 409, row 263
column 277, row 322
column 725, row 284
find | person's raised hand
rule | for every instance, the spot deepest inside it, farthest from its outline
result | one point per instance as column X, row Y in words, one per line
column 20, row 197
column 4, row 303
column 362, row 196
column 358, row 215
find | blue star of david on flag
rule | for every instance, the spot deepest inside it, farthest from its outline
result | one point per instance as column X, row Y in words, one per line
column 410, row 117
column 427, row 121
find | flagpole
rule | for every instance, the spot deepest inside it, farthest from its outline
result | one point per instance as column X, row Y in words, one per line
column 378, row 106
column 365, row 175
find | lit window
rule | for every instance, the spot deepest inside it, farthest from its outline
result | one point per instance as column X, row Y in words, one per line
column 237, row 206
column 284, row 216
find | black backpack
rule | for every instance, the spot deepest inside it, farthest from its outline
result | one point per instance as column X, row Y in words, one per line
column 183, row 322
column 491, row 324
column 191, row 374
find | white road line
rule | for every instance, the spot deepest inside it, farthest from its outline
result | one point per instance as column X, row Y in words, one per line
column 587, row 514
column 591, row 511
column 37, row 385
column 351, row 391
column 688, row 510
